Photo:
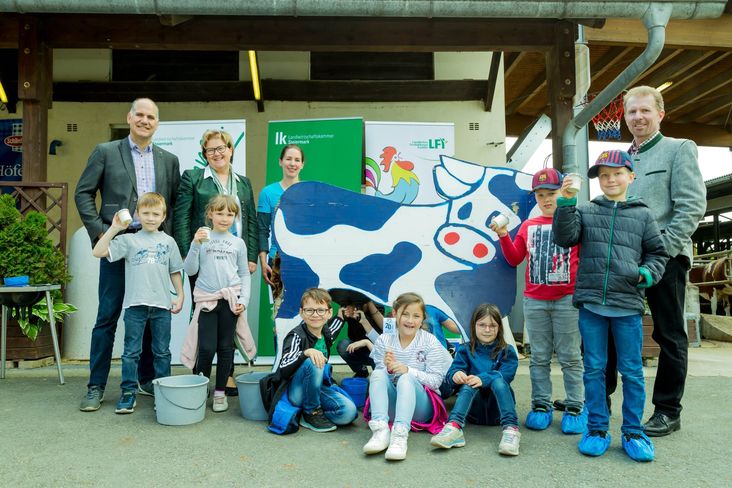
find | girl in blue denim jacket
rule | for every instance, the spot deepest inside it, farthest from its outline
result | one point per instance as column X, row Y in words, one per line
column 483, row 370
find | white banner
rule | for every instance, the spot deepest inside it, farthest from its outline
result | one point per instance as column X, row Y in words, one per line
column 400, row 157
column 184, row 140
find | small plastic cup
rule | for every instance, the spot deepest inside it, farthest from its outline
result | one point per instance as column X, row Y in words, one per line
column 500, row 220
column 576, row 182
column 124, row 216
column 208, row 234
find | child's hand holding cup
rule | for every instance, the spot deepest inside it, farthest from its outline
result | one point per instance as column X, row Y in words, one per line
column 499, row 225
column 124, row 218
column 572, row 185
column 203, row 234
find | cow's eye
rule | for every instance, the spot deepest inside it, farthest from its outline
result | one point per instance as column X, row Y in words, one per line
column 465, row 211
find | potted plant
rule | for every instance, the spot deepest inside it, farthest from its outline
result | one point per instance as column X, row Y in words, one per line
column 27, row 251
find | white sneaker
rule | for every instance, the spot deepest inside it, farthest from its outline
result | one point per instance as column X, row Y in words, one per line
column 398, row 443
column 220, row 404
column 510, row 440
column 379, row 437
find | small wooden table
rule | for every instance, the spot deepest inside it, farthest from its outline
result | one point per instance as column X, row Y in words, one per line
column 7, row 290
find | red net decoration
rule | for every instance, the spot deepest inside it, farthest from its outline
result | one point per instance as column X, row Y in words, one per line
column 607, row 122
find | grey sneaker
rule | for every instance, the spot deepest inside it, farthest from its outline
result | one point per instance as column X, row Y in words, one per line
column 146, row 389
column 93, row 399
column 448, row 437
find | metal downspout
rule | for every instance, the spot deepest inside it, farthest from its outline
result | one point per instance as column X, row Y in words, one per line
column 655, row 20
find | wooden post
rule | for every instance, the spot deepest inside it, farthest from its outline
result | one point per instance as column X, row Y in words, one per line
column 34, row 90
column 560, row 84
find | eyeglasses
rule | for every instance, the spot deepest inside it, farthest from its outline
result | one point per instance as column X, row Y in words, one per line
column 313, row 311
column 490, row 326
column 211, row 150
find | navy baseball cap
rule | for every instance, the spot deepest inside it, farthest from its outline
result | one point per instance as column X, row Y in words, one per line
column 613, row 159
column 547, row 178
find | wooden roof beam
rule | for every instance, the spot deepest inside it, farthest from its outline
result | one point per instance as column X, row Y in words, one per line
column 612, row 57
column 671, row 71
column 492, row 80
column 693, row 94
column 267, row 33
column 714, row 104
column 712, row 34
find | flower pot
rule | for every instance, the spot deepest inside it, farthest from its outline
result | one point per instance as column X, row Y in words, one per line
column 13, row 300
column 20, row 347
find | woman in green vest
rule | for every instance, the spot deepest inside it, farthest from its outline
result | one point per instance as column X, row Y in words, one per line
column 198, row 185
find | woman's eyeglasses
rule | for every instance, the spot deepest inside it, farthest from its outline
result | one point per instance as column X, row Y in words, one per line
column 211, row 150
column 315, row 311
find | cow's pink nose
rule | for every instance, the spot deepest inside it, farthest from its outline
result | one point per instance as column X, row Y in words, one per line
column 452, row 238
column 480, row 251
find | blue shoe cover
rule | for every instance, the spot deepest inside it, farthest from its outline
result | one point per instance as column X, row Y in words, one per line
column 593, row 443
column 538, row 419
column 574, row 424
column 639, row 447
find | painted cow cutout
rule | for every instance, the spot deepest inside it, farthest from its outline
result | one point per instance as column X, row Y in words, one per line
column 338, row 239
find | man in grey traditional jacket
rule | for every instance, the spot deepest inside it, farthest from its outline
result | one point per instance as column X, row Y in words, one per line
column 668, row 178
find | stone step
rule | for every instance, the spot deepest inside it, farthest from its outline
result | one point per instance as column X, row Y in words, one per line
column 716, row 327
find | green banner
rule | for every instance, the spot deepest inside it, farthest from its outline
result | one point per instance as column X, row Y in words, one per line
column 333, row 154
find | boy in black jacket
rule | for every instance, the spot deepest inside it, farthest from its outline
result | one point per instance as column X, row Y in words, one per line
column 301, row 371
column 621, row 253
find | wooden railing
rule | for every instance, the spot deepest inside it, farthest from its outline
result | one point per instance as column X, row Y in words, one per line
column 50, row 199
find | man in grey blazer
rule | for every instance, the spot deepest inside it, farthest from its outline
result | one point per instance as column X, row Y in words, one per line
column 668, row 179
column 121, row 171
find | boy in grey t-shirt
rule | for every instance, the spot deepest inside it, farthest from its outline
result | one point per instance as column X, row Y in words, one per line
column 152, row 261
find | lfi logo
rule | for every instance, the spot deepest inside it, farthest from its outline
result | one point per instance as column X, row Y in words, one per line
column 438, row 143
column 280, row 138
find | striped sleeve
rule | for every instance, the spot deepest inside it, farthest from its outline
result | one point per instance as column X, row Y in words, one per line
column 292, row 355
column 436, row 363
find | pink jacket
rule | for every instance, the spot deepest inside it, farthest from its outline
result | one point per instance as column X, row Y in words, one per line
column 439, row 417
column 207, row 301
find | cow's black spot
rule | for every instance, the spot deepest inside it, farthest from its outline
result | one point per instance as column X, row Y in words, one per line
column 465, row 211
column 299, row 277
column 311, row 208
column 376, row 273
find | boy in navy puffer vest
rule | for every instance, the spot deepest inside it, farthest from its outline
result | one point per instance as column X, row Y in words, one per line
column 621, row 253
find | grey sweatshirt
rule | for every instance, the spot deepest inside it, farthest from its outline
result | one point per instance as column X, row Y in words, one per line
column 220, row 263
column 668, row 178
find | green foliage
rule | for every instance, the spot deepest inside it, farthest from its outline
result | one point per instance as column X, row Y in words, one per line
column 27, row 250
column 31, row 324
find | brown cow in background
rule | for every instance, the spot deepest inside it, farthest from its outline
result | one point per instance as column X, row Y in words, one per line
column 717, row 270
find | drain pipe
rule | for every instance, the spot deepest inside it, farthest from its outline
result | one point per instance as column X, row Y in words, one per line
column 655, row 20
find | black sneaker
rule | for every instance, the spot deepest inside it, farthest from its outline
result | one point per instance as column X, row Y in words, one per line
column 317, row 421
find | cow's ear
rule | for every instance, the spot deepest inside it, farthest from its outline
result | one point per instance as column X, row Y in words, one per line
column 468, row 173
column 447, row 185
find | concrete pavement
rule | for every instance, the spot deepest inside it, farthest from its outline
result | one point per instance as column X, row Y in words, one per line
column 48, row 442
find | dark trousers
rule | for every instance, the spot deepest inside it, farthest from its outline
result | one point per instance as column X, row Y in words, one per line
column 111, row 295
column 666, row 301
column 358, row 360
column 192, row 282
column 215, row 336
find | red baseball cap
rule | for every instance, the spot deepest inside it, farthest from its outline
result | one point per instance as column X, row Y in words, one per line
column 547, row 178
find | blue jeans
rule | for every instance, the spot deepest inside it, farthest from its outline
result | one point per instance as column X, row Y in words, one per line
column 111, row 295
column 402, row 402
column 135, row 320
column 306, row 390
column 628, row 335
column 552, row 327
column 485, row 405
